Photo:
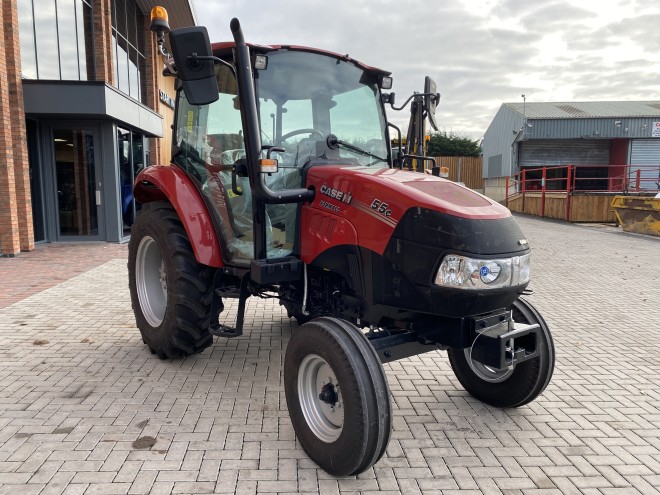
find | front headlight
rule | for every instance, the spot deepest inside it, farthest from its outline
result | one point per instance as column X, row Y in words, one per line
column 470, row 273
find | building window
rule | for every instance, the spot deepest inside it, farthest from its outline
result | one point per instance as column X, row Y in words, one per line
column 129, row 59
column 57, row 39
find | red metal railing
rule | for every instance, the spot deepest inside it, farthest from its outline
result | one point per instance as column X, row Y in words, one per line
column 570, row 179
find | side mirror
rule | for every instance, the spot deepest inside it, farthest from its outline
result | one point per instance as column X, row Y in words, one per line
column 431, row 101
column 197, row 76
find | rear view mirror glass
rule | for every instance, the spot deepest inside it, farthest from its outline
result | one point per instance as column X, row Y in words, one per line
column 431, row 102
column 197, row 76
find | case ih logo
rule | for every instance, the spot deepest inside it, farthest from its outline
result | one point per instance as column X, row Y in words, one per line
column 342, row 196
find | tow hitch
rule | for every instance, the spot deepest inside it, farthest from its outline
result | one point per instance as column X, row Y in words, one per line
column 501, row 343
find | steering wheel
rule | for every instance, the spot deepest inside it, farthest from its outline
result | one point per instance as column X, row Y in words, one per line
column 301, row 131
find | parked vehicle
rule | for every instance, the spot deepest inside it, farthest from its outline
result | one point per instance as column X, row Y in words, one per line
column 283, row 184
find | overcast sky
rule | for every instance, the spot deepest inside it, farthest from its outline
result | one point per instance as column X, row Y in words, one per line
column 480, row 52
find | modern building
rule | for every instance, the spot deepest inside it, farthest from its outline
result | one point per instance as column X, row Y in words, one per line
column 531, row 135
column 83, row 104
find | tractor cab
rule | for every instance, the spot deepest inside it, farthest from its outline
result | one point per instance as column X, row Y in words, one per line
column 314, row 108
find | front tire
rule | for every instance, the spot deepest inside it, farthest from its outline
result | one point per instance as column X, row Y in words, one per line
column 337, row 395
column 508, row 388
column 170, row 291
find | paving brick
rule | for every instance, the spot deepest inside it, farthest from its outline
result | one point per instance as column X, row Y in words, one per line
column 193, row 487
column 71, row 409
column 277, row 486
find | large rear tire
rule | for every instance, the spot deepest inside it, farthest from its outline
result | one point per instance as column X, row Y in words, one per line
column 510, row 387
column 337, row 395
column 170, row 291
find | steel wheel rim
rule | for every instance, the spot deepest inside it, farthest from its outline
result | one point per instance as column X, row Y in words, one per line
column 487, row 373
column 325, row 421
column 151, row 281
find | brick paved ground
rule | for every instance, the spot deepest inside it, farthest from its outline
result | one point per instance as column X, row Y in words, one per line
column 81, row 396
column 50, row 264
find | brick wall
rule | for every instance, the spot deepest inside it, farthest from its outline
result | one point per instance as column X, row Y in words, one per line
column 16, row 230
column 153, row 67
column 103, row 46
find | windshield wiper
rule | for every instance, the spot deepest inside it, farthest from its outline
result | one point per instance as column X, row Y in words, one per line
column 334, row 142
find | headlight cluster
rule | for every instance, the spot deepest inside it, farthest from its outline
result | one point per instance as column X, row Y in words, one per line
column 469, row 273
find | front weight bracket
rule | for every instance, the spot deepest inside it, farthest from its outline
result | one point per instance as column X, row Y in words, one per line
column 505, row 344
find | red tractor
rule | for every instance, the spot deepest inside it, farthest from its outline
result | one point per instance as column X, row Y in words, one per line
column 283, row 183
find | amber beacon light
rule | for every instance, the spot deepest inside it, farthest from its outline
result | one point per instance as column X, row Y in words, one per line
column 159, row 20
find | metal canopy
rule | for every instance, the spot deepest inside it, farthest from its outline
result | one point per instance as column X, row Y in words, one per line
column 89, row 99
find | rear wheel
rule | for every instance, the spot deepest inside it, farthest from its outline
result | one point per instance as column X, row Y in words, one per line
column 337, row 395
column 170, row 291
column 509, row 387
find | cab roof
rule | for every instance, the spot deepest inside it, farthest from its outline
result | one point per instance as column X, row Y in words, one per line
column 223, row 50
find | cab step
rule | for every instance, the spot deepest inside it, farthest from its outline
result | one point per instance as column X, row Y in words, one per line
column 220, row 330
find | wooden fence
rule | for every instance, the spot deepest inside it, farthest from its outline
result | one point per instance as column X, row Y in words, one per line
column 466, row 169
column 582, row 206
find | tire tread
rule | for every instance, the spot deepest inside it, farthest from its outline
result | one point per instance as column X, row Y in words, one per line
column 184, row 330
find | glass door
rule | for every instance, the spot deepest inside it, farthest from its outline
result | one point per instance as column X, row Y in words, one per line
column 78, row 185
column 130, row 148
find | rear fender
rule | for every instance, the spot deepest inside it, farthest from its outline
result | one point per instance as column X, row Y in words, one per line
column 169, row 183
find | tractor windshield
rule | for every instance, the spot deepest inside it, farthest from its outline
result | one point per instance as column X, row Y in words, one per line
column 304, row 97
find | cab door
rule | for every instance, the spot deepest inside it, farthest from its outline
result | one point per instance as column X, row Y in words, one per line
column 208, row 143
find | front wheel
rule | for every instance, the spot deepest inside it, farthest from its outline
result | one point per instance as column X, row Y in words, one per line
column 337, row 395
column 513, row 387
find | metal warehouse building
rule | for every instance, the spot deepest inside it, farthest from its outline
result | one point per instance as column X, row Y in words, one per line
column 532, row 135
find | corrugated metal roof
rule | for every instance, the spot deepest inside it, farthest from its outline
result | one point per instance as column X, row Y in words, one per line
column 181, row 13
column 587, row 109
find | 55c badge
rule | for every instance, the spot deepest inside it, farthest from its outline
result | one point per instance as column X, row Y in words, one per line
column 381, row 207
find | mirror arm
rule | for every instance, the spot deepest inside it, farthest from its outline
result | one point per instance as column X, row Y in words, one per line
column 194, row 60
column 432, row 95
column 405, row 103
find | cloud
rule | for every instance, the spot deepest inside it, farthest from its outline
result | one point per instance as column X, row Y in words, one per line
column 481, row 52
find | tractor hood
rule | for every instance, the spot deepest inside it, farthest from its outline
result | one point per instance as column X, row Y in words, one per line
column 376, row 200
column 401, row 190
